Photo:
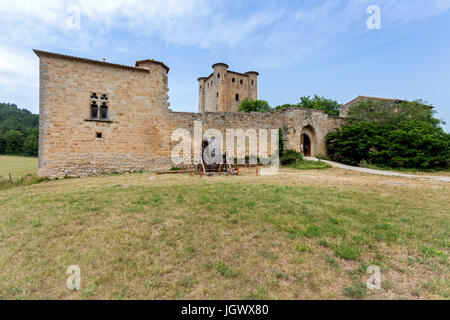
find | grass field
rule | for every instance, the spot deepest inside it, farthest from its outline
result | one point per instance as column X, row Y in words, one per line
column 18, row 167
column 299, row 235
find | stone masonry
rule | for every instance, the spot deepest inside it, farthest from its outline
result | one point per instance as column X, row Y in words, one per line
column 136, row 132
column 224, row 89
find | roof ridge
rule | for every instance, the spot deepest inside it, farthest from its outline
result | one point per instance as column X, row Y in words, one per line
column 64, row 56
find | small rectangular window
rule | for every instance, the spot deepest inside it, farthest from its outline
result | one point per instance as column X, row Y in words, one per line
column 99, row 135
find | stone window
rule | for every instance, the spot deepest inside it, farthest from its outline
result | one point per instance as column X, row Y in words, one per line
column 94, row 110
column 233, row 80
column 217, row 94
column 99, row 135
column 99, row 106
column 104, row 111
column 240, row 81
column 218, row 75
column 237, row 96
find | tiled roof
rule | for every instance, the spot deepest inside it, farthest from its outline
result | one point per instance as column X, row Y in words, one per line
column 40, row 53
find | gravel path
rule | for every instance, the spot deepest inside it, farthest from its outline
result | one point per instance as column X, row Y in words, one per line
column 382, row 172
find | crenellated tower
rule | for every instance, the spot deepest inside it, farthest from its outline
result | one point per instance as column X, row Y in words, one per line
column 223, row 90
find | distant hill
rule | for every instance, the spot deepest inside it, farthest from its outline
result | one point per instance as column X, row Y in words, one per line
column 19, row 131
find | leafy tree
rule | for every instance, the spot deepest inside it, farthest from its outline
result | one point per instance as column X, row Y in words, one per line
column 30, row 144
column 387, row 112
column 395, row 135
column 254, row 106
column 329, row 106
column 2, row 144
column 14, row 141
column 18, row 121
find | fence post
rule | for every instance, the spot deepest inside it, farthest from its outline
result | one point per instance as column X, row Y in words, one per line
column 10, row 179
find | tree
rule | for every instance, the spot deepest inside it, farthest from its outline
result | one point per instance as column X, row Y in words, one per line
column 2, row 144
column 30, row 144
column 329, row 106
column 389, row 112
column 14, row 141
column 254, row 106
column 402, row 135
column 22, row 121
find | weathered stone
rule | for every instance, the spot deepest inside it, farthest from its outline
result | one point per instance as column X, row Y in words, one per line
column 136, row 136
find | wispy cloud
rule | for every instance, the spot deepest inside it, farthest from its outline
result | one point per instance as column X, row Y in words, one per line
column 261, row 33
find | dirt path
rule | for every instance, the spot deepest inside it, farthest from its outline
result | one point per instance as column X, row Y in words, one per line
column 382, row 172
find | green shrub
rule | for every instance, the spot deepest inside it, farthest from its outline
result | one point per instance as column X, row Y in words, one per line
column 328, row 106
column 254, row 106
column 290, row 158
column 409, row 144
column 396, row 135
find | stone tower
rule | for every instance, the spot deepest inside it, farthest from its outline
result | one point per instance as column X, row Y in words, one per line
column 224, row 89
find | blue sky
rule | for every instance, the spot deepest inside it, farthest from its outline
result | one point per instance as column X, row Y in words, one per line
column 298, row 47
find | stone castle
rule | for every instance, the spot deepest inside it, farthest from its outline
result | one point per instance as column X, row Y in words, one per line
column 224, row 90
column 99, row 117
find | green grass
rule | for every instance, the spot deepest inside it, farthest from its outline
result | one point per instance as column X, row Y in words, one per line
column 311, row 165
column 187, row 237
column 17, row 166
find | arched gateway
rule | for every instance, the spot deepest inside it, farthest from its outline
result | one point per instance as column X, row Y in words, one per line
column 307, row 140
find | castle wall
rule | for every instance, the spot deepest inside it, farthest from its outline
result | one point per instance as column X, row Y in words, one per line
column 219, row 93
column 136, row 135
column 240, row 87
column 68, row 139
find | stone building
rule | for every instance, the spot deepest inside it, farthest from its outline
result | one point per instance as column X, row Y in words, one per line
column 224, row 89
column 99, row 117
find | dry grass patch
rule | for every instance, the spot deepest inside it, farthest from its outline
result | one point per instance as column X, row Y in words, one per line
column 298, row 235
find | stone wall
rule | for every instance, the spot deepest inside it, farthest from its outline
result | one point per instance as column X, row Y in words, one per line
column 224, row 90
column 130, row 140
column 136, row 136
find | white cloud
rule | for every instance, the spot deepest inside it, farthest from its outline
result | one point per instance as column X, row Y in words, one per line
column 270, row 34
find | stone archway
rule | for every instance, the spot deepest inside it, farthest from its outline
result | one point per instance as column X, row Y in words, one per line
column 308, row 141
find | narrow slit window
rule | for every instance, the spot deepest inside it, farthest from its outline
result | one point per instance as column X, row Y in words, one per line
column 237, row 96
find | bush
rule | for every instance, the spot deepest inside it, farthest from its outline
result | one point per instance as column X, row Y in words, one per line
column 409, row 144
column 396, row 135
column 290, row 158
column 329, row 106
column 254, row 106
